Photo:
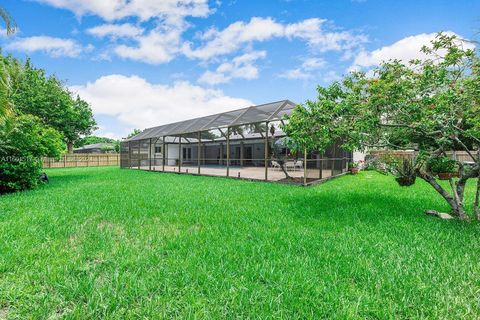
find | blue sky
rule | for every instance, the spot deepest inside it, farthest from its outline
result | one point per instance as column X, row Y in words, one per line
column 142, row 63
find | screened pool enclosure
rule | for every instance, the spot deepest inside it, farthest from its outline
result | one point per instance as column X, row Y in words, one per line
column 246, row 143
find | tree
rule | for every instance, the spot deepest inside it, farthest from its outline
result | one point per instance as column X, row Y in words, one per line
column 92, row 140
column 6, row 107
column 24, row 141
column 430, row 105
column 10, row 24
column 48, row 99
column 95, row 139
column 134, row 133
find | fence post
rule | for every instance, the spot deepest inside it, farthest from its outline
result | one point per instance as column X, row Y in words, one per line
column 163, row 153
column 180, row 154
column 266, row 151
column 321, row 167
column 150, row 154
column 199, row 151
column 228, row 151
column 64, row 160
column 305, row 167
column 138, row 153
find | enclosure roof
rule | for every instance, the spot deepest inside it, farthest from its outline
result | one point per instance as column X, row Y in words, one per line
column 95, row 146
column 261, row 113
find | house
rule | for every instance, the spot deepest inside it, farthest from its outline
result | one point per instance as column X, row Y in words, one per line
column 96, row 148
column 236, row 143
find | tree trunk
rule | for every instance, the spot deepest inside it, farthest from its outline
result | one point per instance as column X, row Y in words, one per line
column 282, row 165
column 70, row 147
column 455, row 202
column 458, row 199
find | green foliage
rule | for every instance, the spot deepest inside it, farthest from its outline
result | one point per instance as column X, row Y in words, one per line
column 95, row 139
column 113, row 148
column 92, row 140
column 104, row 246
column 37, row 112
column 442, row 165
column 425, row 105
column 24, row 140
column 134, row 133
column 430, row 106
column 47, row 98
column 9, row 71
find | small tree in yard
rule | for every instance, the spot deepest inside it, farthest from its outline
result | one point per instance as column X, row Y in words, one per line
column 431, row 106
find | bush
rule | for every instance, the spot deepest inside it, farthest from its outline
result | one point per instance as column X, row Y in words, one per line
column 442, row 165
column 19, row 174
column 24, row 140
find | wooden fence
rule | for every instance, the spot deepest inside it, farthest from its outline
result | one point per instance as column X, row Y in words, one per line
column 83, row 160
column 460, row 156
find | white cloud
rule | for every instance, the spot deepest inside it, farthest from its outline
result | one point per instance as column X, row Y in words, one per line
column 240, row 67
column 259, row 29
column 305, row 70
column 405, row 50
column 143, row 9
column 125, row 30
column 55, row 47
column 159, row 45
column 313, row 31
column 139, row 103
column 234, row 36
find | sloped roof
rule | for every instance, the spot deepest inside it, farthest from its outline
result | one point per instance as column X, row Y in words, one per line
column 261, row 113
column 95, row 146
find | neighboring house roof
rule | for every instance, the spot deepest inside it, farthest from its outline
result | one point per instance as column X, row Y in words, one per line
column 95, row 146
column 261, row 113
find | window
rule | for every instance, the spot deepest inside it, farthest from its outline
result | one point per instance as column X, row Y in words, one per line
column 158, row 149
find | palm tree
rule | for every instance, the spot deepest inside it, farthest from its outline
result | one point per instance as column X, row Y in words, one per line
column 10, row 24
column 6, row 107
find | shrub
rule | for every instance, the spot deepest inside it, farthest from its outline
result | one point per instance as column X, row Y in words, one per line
column 441, row 165
column 24, row 140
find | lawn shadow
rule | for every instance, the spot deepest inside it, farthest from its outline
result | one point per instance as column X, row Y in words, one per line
column 60, row 180
column 363, row 206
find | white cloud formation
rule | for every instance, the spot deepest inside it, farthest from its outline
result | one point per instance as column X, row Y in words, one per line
column 159, row 45
column 305, row 70
column 143, row 9
column 139, row 103
column 259, row 29
column 54, row 47
column 405, row 50
column 126, row 30
column 240, row 67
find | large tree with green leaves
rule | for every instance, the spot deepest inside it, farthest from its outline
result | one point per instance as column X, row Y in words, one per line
column 431, row 106
column 33, row 92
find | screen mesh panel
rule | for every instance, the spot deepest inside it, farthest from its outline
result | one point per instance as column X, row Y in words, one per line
column 260, row 113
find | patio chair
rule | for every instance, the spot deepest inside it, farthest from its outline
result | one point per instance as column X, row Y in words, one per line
column 299, row 164
column 275, row 165
column 290, row 165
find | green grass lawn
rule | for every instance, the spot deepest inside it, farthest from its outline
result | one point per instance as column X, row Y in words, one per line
column 111, row 243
